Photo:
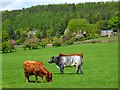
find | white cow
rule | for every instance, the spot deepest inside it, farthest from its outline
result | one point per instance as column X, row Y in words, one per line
column 67, row 60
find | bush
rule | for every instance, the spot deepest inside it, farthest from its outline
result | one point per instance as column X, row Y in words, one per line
column 56, row 44
column 19, row 41
column 69, row 42
column 43, row 44
column 32, row 43
column 65, row 38
column 6, row 47
column 56, row 39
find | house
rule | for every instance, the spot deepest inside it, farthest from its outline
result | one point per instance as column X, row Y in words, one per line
column 31, row 33
column 108, row 33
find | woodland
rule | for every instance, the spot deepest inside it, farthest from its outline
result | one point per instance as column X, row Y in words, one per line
column 51, row 22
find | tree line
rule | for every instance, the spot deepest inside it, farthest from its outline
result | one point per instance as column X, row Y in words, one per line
column 52, row 20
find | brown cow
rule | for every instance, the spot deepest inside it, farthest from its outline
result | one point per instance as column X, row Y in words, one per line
column 36, row 68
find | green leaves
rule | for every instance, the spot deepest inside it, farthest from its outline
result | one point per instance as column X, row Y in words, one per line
column 114, row 23
column 75, row 25
column 52, row 20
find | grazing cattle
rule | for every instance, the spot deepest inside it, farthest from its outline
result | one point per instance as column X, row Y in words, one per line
column 64, row 60
column 36, row 68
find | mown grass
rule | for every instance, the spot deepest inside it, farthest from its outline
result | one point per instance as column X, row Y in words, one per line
column 107, row 38
column 100, row 67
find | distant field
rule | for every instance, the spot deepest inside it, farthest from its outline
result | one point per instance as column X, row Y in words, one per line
column 100, row 67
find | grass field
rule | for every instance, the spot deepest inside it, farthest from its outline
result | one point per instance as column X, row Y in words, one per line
column 100, row 67
column 106, row 38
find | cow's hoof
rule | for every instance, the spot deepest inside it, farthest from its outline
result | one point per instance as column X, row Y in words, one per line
column 26, row 82
column 81, row 73
column 61, row 73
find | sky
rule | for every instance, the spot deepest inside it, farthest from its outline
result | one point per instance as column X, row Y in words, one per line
column 19, row 4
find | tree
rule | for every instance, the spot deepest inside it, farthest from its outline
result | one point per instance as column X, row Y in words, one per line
column 5, row 24
column 102, row 25
column 93, row 30
column 75, row 25
column 5, row 36
column 49, row 33
column 59, row 17
column 114, row 23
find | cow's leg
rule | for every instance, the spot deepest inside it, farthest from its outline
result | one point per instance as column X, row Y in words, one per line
column 77, row 69
column 26, row 76
column 81, row 68
column 41, row 79
column 36, row 78
column 61, row 69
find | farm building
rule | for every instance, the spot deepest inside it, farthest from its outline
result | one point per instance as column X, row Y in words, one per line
column 108, row 33
column 31, row 33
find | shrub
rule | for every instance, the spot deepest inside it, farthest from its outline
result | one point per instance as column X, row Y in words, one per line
column 69, row 42
column 31, row 43
column 56, row 44
column 65, row 38
column 6, row 47
column 43, row 44
column 19, row 41
column 56, row 39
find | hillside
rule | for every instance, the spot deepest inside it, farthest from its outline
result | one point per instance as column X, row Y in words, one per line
column 49, row 21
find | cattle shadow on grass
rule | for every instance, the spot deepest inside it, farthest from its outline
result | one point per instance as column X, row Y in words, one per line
column 32, row 82
column 36, row 82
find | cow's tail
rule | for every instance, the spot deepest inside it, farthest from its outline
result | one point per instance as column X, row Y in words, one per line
column 81, row 67
column 82, row 62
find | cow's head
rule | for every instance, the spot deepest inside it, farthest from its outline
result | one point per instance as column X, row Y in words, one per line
column 53, row 59
column 49, row 77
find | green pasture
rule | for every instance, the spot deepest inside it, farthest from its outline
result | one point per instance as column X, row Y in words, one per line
column 100, row 67
column 106, row 38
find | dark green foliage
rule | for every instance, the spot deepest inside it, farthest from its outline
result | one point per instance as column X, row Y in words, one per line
column 52, row 20
column 65, row 38
column 18, row 42
column 43, row 44
column 5, row 36
column 56, row 44
column 6, row 47
column 114, row 23
column 69, row 42
column 31, row 43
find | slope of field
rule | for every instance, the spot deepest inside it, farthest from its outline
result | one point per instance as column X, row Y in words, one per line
column 100, row 67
